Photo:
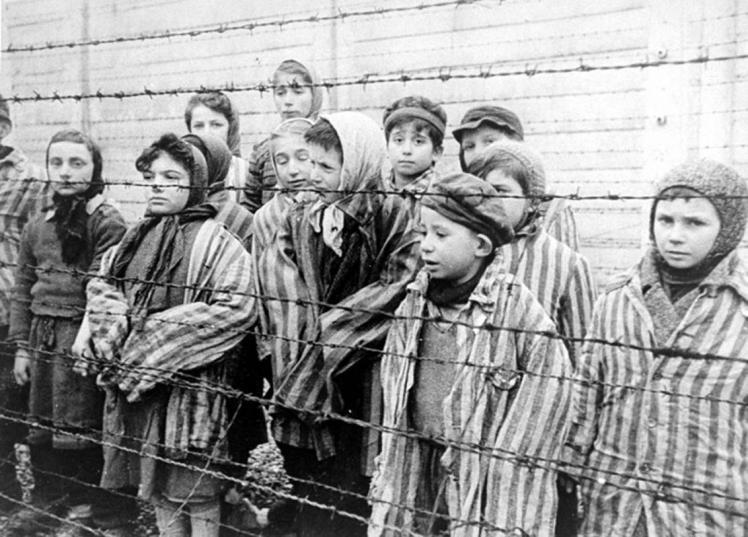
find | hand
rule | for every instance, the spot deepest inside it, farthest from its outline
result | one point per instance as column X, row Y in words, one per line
column 22, row 367
column 81, row 350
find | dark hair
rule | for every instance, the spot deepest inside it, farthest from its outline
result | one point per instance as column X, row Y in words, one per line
column 417, row 101
column 218, row 102
column 485, row 163
column 77, row 137
column 323, row 134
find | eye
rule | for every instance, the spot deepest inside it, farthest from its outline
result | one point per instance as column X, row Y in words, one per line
column 217, row 124
column 77, row 163
column 440, row 234
column 173, row 176
column 419, row 141
column 468, row 146
column 198, row 125
column 281, row 160
column 302, row 156
column 147, row 176
column 664, row 219
column 695, row 222
column 55, row 162
column 280, row 92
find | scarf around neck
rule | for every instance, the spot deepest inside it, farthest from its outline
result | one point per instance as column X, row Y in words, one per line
column 447, row 293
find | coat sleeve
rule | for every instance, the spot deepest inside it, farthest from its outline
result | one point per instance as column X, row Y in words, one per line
column 588, row 392
column 197, row 334
column 25, row 277
column 107, row 230
column 576, row 310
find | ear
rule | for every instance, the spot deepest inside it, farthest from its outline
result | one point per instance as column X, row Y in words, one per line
column 5, row 129
column 485, row 246
column 437, row 154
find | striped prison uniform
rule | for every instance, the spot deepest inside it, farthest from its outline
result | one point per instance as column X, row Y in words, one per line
column 560, row 279
column 23, row 191
column 311, row 345
column 236, row 218
column 509, row 399
column 664, row 436
column 192, row 337
column 560, row 223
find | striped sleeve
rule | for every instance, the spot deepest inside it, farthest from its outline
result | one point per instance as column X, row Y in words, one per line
column 576, row 307
column 561, row 224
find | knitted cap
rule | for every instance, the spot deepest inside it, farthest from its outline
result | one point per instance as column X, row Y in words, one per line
column 471, row 202
column 490, row 115
column 496, row 155
column 4, row 110
column 724, row 188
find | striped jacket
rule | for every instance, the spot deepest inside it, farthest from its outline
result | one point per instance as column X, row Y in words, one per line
column 560, row 279
column 23, row 191
column 508, row 396
column 560, row 223
column 267, row 220
column 236, row 218
column 261, row 179
column 665, row 435
column 193, row 337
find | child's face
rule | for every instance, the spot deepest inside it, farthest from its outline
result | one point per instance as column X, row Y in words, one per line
column 70, row 166
column 411, row 151
column 207, row 121
column 168, row 186
column 506, row 185
column 475, row 141
column 292, row 98
column 685, row 230
column 327, row 168
column 292, row 161
column 450, row 251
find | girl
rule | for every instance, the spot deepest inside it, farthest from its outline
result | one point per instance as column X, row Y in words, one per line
column 297, row 93
column 180, row 283
column 657, row 436
column 60, row 247
column 214, row 113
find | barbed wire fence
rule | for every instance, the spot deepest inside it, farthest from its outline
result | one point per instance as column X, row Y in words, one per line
column 366, row 81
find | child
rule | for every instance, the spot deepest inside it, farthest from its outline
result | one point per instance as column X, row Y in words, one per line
column 214, row 113
column 559, row 278
column 171, row 300
column 458, row 387
column 289, row 155
column 658, row 439
column 236, row 218
column 297, row 93
column 484, row 125
column 59, row 248
column 23, row 189
column 414, row 128
column 337, row 266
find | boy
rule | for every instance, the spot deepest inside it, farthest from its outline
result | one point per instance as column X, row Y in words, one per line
column 338, row 267
column 658, row 429
column 414, row 128
column 458, row 387
column 23, row 191
column 483, row 125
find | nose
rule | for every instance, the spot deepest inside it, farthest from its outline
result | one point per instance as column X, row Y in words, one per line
column 65, row 170
column 407, row 147
column 425, row 244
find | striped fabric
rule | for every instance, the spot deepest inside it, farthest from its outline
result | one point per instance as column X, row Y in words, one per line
column 23, row 190
column 236, row 218
column 560, row 279
column 191, row 337
column 665, row 436
column 267, row 220
column 491, row 404
column 290, row 269
column 560, row 223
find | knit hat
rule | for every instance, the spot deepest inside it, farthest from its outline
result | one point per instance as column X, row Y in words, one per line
column 4, row 110
column 495, row 116
column 471, row 202
column 723, row 187
column 502, row 153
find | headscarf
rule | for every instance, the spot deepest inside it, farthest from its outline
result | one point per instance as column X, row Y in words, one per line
column 217, row 159
column 727, row 191
column 506, row 153
column 220, row 103
column 71, row 215
column 309, row 76
column 164, row 256
column 364, row 155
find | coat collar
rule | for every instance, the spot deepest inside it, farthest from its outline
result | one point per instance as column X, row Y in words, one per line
column 91, row 206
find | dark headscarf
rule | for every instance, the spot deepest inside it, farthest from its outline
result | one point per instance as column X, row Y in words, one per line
column 164, row 256
column 217, row 159
column 70, row 211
